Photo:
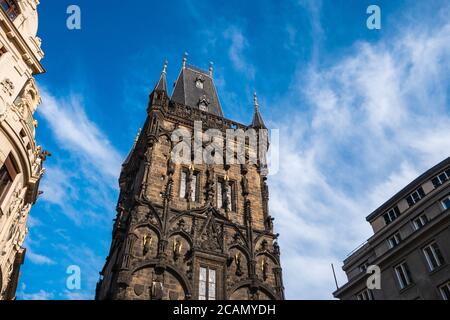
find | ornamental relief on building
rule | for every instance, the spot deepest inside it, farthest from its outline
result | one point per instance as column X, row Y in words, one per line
column 7, row 86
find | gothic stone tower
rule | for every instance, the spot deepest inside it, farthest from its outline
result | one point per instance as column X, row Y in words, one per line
column 190, row 231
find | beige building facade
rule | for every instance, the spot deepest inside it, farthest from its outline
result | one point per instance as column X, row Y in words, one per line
column 20, row 158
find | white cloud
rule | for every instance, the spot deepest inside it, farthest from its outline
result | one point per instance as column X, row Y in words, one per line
column 85, row 176
column 76, row 133
column 371, row 123
column 238, row 44
column 41, row 295
column 39, row 258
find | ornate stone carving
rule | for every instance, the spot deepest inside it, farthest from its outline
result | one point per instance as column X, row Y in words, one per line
column 7, row 86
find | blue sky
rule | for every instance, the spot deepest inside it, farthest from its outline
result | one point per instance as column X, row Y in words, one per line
column 361, row 113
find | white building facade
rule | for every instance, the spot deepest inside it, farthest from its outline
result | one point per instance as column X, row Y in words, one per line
column 20, row 157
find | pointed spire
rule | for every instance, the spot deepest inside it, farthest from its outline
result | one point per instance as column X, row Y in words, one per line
column 211, row 68
column 255, row 101
column 127, row 160
column 162, row 83
column 185, row 60
column 257, row 122
column 137, row 136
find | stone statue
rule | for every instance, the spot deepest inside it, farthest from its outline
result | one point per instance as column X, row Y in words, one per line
column 177, row 246
column 146, row 244
column 237, row 260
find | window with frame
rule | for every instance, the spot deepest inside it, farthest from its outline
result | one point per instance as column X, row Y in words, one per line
column 433, row 256
column 394, row 240
column 445, row 291
column 11, row 8
column 446, row 203
column 8, row 172
column 403, row 275
column 441, row 178
column 391, row 215
column 365, row 295
column 420, row 222
column 184, row 184
column 207, row 284
column 415, row 197
column 226, row 190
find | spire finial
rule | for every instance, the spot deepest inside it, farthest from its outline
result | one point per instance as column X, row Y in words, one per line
column 165, row 67
column 255, row 100
column 185, row 59
column 211, row 64
column 137, row 136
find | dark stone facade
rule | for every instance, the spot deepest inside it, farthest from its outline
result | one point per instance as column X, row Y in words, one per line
column 161, row 240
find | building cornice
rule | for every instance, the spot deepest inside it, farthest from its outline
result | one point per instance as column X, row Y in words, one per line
column 16, row 38
column 408, row 189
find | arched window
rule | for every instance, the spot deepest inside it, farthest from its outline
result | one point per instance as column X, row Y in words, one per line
column 11, row 8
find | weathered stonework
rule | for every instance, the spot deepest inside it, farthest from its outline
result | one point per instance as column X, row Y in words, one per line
column 161, row 240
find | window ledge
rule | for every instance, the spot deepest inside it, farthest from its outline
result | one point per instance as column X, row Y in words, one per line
column 411, row 285
column 437, row 269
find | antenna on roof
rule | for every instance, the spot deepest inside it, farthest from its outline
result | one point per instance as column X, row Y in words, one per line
column 185, row 59
column 335, row 280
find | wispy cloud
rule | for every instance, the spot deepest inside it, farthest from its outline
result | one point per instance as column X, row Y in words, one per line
column 236, row 51
column 371, row 123
column 39, row 258
column 81, row 180
column 40, row 295
column 77, row 134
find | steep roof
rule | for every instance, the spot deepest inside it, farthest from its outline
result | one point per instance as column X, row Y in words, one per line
column 162, row 83
column 195, row 88
column 257, row 122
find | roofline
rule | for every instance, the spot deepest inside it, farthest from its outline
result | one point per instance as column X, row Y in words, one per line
column 409, row 188
column 202, row 72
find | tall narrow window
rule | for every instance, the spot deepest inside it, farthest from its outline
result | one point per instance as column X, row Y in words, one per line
column 219, row 194
column 433, row 255
column 183, row 184
column 184, row 187
column 226, row 191
column 8, row 172
column 212, row 285
column 194, row 187
column 207, row 284
column 403, row 275
column 445, row 291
